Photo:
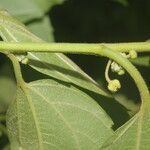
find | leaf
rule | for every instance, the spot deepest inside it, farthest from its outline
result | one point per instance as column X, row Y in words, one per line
column 12, row 30
column 26, row 10
column 42, row 28
column 23, row 9
column 134, row 134
column 55, row 65
column 49, row 115
column 45, row 5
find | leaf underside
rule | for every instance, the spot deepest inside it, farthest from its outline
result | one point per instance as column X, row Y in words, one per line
column 48, row 115
column 134, row 135
column 26, row 10
column 53, row 64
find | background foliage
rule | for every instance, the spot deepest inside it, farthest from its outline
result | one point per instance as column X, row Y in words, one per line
column 83, row 21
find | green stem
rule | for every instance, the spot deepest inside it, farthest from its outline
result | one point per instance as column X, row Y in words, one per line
column 94, row 49
column 107, row 71
column 134, row 73
column 17, row 69
column 72, row 47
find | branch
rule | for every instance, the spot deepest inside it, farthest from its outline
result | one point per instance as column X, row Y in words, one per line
column 72, row 47
column 93, row 49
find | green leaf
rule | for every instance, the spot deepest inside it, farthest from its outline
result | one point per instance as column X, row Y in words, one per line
column 12, row 30
column 23, row 9
column 45, row 5
column 26, row 10
column 55, row 65
column 133, row 135
column 42, row 28
column 49, row 115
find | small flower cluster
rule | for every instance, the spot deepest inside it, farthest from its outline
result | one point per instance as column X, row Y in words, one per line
column 114, row 85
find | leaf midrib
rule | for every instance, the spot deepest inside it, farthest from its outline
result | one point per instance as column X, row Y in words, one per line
column 139, row 118
column 35, row 119
column 73, row 90
column 62, row 118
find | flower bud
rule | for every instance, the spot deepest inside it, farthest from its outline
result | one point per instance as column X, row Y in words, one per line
column 117, row 68
column 22, row 58
column 114, row 85
column 121, row 72
column 25, row 61
column 133, row 54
